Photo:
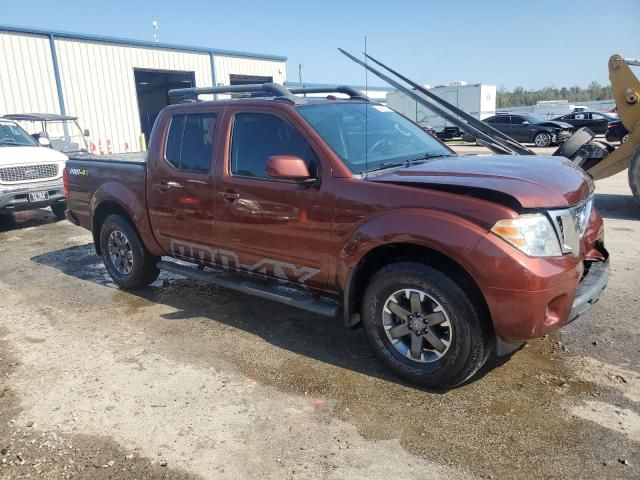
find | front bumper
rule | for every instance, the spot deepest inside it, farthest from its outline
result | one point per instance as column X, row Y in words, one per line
column 590, row 288
column 16, row 198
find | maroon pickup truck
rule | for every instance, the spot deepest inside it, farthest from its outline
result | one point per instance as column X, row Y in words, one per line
column 344, row 208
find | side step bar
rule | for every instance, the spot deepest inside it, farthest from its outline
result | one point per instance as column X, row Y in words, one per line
column 318, row 305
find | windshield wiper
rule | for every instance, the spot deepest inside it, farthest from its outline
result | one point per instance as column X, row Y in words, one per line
column 408, row 163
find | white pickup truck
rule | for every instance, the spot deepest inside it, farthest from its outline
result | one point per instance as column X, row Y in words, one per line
column 30, row 172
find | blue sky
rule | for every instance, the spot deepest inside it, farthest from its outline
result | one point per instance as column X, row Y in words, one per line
column 530, row 43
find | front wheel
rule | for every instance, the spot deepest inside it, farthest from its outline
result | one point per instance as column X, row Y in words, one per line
column 124, row 255
column 542, row 139
column 424, row 327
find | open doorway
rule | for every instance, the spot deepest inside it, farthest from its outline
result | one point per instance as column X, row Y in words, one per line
column 152, row 89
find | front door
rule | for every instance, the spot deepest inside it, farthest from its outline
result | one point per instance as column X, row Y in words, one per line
column 273, row 228
column 182, row 189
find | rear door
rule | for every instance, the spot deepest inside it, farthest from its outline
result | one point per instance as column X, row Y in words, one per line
column 521, row 129
column 266, row 226
column 181, row 185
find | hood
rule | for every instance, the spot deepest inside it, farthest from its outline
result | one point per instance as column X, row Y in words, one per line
column 29, row 155
column 519, row 181
column 555, row 124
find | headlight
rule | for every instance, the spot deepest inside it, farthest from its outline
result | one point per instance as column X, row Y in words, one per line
column 532, row 234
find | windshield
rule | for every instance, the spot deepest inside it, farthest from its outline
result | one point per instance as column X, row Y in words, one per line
column 12, row 135
column 532, row 120
column 64, row 135
column 368, row 136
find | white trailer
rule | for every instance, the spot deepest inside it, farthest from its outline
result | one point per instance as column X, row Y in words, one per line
column 478, row 100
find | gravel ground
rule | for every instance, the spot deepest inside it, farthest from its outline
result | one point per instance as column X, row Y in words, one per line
column 186, row 380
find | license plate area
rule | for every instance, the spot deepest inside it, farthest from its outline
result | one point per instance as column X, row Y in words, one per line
column 35, row 197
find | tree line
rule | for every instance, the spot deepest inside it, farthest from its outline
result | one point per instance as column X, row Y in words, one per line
column 520, row 97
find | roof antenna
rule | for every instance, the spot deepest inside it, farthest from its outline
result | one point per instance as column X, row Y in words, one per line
column 155, row 26
column 366, row 124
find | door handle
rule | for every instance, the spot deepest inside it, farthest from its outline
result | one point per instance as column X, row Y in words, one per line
column 166, row 185
column 230, row 196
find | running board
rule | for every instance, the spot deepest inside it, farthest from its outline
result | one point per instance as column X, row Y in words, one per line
column 303, row 301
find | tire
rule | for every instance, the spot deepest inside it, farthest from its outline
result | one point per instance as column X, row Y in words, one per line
column 574, row 143
column 634, row 175
column 465, row 326
column 132, row 267
column 624, row 138
column 58, row 209
column 542, row 139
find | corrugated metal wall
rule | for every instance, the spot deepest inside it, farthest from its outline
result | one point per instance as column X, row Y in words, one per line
column 99, row 86
column 97, row 78
column 226, row 65
column 27, row 82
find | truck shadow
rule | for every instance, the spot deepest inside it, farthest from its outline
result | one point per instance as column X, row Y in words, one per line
column 313, row 336
column 31, row 218
column 619, row 207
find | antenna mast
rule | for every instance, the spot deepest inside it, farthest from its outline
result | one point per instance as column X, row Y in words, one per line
column 155, row 26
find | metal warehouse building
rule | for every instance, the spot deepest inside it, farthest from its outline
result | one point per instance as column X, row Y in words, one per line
column 115, row 86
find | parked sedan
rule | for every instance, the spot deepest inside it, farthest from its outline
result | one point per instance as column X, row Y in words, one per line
column 529, row 129
column 597, row 122
column 616, row 132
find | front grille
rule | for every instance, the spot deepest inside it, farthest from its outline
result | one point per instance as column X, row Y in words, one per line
column 28, row 172
column 570, row 225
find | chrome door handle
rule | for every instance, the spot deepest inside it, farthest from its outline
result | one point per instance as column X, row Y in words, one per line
column 165, row 185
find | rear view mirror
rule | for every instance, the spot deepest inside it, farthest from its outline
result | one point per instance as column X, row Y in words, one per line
column 86, row 133
column 44, row 141
column 288, row 167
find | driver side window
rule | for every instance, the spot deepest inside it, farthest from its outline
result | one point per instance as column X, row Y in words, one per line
column 258, row 136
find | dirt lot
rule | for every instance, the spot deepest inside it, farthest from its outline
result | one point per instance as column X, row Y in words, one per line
column 186, row 380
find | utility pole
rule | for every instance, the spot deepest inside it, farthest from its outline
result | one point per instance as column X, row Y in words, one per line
column 155, row 30
column 300, row 72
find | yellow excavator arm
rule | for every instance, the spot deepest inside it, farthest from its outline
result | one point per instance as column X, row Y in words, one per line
column 626, row 92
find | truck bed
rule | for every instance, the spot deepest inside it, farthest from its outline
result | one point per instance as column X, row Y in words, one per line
column 94, row 179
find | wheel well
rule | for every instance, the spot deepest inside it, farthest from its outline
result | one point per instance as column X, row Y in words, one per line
column 386, row 254
column 102, row 212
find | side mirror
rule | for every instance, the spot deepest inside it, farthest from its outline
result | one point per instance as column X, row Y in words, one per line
column 525, row 123
column 86, row 133
column 288, row 167
column 44, row 141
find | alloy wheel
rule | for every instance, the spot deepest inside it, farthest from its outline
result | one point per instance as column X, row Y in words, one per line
column 417, row 325
column 120, row 252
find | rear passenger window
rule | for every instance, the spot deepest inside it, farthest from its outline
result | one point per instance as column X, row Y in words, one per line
column 190, row 142
column 257, row 136
column 502, row 119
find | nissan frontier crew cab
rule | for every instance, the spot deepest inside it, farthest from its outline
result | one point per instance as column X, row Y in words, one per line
column 342, row 207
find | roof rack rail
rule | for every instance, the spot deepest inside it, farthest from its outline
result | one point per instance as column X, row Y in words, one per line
column 273, row 89
column 344, row 89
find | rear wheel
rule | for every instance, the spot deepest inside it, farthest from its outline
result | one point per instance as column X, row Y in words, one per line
column 624, row 138
column 125, row 257
column 542, row 139
column 423, row 326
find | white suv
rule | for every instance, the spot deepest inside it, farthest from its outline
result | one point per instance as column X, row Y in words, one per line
column 30, row 172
